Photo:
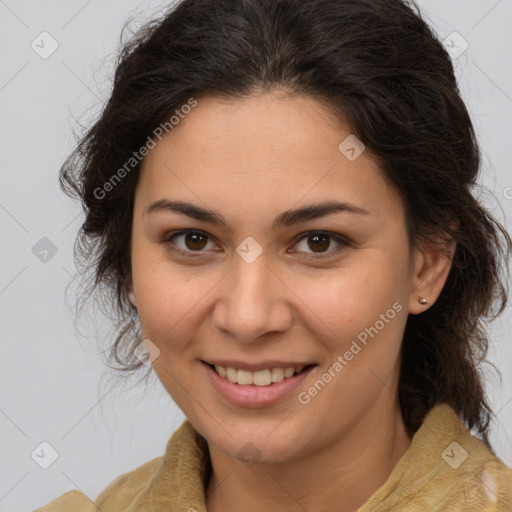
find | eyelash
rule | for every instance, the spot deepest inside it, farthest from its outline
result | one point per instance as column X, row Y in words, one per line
column 168, row 241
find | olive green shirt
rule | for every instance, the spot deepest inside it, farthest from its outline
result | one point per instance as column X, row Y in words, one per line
column 445, row 469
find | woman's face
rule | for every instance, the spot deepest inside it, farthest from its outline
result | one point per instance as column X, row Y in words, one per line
column 261, row 289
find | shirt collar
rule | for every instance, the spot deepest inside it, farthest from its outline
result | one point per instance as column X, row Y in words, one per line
column 440, row 447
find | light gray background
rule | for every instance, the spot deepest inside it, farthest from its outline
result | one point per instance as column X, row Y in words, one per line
column 50, row 378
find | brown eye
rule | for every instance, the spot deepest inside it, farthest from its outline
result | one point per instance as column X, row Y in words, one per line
column 195, row 241
column 187, row 241
column 320, row 243
column 315, row 244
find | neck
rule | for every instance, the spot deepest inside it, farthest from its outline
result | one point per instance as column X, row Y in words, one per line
column 341, row 476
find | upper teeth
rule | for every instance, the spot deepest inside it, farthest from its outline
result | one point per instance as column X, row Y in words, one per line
column 259, row 378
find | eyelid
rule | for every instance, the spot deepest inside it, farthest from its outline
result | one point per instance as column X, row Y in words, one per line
column 343, row 241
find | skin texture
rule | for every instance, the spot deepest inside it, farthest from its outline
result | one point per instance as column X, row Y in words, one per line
column 249, row 160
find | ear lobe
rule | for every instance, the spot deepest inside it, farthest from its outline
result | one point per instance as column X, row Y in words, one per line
column 432, row 267
column 131, row 296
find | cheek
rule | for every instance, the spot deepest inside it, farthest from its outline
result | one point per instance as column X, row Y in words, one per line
column 351, row 298
column 164, row 296
column 337, row 304
column 165, row 306
column 362, row 317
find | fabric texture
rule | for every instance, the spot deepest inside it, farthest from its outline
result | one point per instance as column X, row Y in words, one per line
column 445, row 469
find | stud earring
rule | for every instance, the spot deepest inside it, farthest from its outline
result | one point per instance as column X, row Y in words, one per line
column 423, row 301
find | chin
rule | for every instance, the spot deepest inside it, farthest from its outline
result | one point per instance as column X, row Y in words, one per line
column 258, row 446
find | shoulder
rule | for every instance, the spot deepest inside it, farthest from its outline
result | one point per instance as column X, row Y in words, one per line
column 468, row 475
column 182, row 468
column 445, row 469
column 116, row 496
column 71, row 500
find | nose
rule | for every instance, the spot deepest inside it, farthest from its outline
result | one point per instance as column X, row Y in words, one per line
column 253, row 301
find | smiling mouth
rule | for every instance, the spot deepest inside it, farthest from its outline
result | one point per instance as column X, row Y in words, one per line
column 266, row 377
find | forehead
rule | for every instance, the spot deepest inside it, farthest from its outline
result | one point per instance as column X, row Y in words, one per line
column 270, row 147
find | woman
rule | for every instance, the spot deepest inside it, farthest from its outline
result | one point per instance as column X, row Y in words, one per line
column 278, row 195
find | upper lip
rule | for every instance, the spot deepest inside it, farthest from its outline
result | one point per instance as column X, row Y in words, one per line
column 254, row 367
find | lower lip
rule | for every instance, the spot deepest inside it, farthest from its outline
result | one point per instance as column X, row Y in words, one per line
column 255, row 396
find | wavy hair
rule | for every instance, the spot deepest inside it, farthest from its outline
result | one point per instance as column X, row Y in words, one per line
column 378, row 65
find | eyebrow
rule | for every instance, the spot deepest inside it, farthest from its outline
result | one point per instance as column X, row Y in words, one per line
column 287, row 218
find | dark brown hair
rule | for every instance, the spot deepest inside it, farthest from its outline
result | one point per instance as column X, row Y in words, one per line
column 381, row 69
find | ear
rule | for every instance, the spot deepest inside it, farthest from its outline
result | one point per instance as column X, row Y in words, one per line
column 131, row 296
column 432, row 264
